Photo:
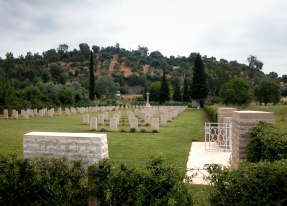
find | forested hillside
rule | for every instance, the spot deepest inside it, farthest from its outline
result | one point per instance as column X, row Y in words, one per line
column 60, row 76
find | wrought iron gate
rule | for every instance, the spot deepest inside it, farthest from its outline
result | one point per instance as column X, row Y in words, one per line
column 218, row 136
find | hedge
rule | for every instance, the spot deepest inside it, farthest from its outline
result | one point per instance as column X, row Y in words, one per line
column 211, row 113
column 262, row 183
column 267, row 143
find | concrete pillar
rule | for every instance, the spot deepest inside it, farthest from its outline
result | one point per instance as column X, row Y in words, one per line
column 243, row 123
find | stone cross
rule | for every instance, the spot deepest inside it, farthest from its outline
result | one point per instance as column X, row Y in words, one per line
column 147, row 99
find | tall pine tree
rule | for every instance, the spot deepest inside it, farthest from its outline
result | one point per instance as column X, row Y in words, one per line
column 164, row 90
column 199, row 88
column 92, row 78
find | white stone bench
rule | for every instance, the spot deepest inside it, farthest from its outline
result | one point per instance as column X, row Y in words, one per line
column 88, row 147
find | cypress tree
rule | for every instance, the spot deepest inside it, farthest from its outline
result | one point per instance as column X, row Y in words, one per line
column 164, row 90
column 185, row 96
column 176, row 90
column 199, row 88
column 92, row 78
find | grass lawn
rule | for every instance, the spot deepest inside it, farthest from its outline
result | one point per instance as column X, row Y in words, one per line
column 172, row 142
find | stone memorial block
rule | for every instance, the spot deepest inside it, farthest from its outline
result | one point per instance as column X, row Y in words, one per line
column 50, row 113
column 163, row 120
column 59, row 111
column 86, row 119
column 147, row 119
column 154, row 124
column 5, row 114
column 117, row 116
column 93, row 124
column 88, row 147
column 36, row 112
column 134, row 123
column 101, row 119
column 26, row 115
column 113, row 124
column 40, row 113
column 67, row 111
column 169, row 117
column 106, row 116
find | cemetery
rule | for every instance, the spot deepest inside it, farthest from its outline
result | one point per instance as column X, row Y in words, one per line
column 91, row 134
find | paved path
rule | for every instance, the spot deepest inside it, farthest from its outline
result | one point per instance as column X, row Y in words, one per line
column 199, row 158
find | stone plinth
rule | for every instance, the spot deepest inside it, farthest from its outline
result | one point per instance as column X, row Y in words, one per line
column 93, row 124
column 224, row 112
column 243, row 123
column 89, row 148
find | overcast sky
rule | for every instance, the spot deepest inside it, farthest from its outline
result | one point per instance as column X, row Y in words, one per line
column 229, row 29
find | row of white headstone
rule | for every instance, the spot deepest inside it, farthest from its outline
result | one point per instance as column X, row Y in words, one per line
column 30, row 113
column 150, row 116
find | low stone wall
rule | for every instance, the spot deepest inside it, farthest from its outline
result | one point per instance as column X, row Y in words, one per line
column 90, row 148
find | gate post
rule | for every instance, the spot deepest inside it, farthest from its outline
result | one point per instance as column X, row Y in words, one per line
column 243, row 123
column 224, row 112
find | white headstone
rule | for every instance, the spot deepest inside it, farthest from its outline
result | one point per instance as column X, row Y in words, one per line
column 93, row 124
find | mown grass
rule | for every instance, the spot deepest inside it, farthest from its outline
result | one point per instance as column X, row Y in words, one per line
column 172, row 142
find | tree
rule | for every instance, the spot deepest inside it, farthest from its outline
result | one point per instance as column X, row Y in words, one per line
column 267, row 92
column 92, row 78
column 164, row 89
column 176, row 87
column 254, row 64
column 284, row 78
column 185, row 96
column 199, row 88
column 236, row 91
column 106, row 86
column 155, row 63
column 155, row 91
column 63, row 48
column 85, row 50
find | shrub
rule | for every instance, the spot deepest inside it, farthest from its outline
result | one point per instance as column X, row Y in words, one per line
column 263, row 183
column 122, row 130
column 103, row 129
column 154, row 131
column 211, row 113
column 133, row 130
column 154, row 184
column 143, row 129
column 42, row 181
column 147, row 124
column 267, row 143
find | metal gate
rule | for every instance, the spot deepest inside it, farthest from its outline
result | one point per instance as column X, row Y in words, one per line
column 218, row 136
